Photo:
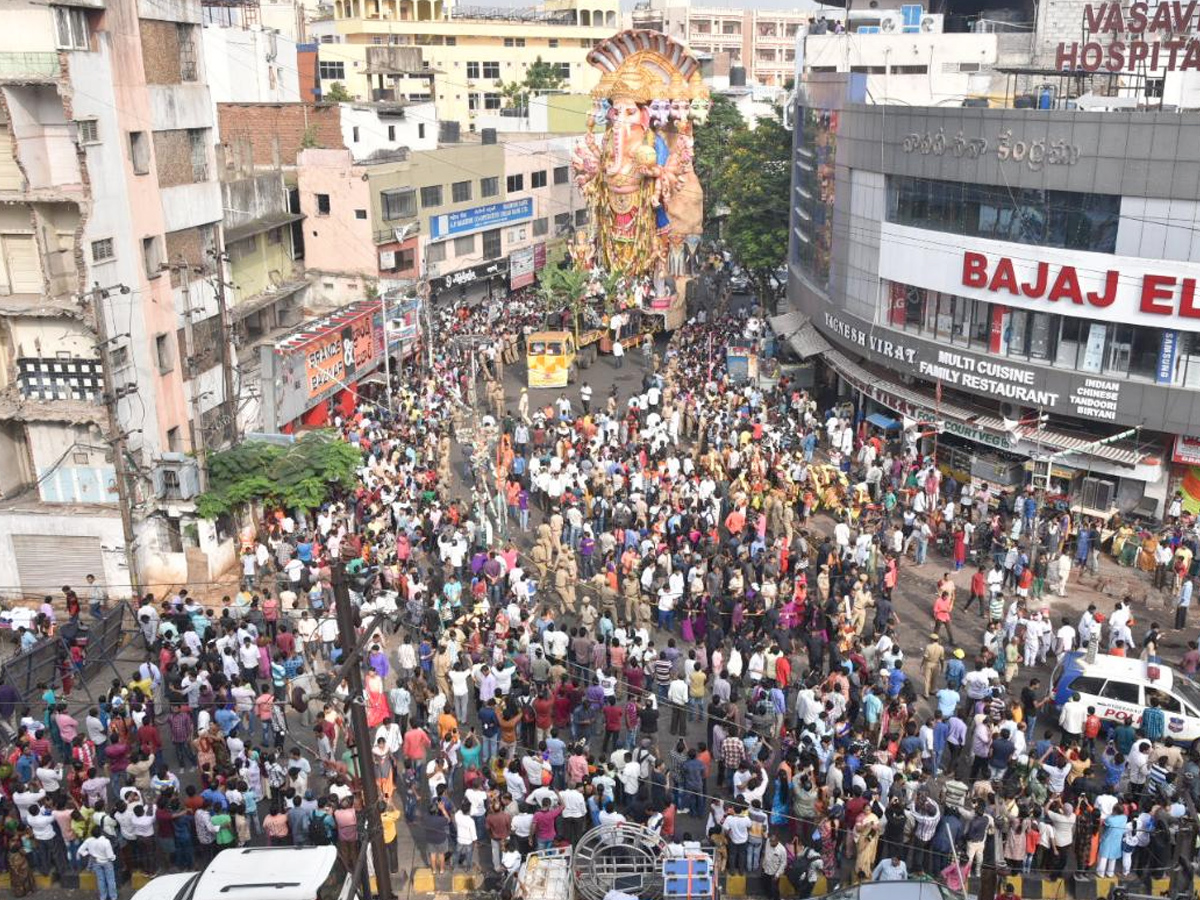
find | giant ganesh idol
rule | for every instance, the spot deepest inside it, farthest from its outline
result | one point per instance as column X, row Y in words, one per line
column 634, row 166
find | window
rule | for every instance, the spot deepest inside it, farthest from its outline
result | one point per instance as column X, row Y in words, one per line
column 401, row 204
column 354, row 134
column 491, row 70
column 436, row 253
column 360, row 214
column 162, row 353
column 537, row 179
column 323, row 204
column 564, row 70
column 489, row 187
column 103, row 250
column 431, row 195
column 1122, row 691
column 541, row 227
column 174, row 443
column 451, row 41
column 239, row 250
column 581, row 217
column 391, row 133
column 464, row 246
column 492, row 101
column 474, row 99
column 275, row 235
column 562, row 174
column 562, row 223
column 491, row 243
column 1068, row 219
column 1087, row 684
column 514, row 183
column 460, row 191
column 152, row 255
column 514, row 42
column 188, row 68
column 139, row 152
column 472, row 70
column 88, row 131
column 1167, row 702
column 331, row 71
column 552, row 43
column 71, row 28
column 421, row 128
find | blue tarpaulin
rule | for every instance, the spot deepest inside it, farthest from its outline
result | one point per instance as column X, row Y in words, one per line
column 879, row 420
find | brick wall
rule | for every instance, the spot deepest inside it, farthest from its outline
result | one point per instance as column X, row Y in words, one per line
column 187, row 246
column 173, row 157
column 306, row 67
column 1058, row 20
column 271, row 134
column 160, row 51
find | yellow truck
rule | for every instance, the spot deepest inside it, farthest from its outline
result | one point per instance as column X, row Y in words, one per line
column 552, row 358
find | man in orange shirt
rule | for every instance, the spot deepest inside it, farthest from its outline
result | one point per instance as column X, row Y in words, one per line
column 941, row 615
column 416, row 744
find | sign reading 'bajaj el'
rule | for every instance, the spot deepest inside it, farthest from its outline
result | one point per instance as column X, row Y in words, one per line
column 1155, row 36
column 1159, row 295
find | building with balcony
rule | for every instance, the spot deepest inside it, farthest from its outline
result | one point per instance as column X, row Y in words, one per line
column 109, row 257
column 458, row 57
column 761, row 41
column 1008, row 264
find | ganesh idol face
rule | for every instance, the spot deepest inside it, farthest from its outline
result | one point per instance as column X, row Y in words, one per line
column 681, row 108
column 600, row 109
column 660, row 112
column 626, row 115
column 699, row 110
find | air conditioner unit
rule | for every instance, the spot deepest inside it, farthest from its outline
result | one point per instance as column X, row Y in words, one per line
column 889, row 24
column 932, row 24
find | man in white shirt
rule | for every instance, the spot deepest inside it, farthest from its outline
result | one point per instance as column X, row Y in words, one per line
column 737, row 829
column 465, row 837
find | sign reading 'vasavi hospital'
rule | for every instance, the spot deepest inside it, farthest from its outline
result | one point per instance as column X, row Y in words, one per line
column 1100, row 287
column 1149, row 36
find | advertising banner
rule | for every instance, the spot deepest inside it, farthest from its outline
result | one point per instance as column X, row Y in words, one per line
column 479, row 217
column 323, row 357
column 1100, row 287
column 520, row 268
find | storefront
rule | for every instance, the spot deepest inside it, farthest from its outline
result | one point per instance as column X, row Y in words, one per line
column 313, row 373
column 472, row 285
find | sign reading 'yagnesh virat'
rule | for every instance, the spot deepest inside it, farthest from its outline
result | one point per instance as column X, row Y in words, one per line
column 1153, row 36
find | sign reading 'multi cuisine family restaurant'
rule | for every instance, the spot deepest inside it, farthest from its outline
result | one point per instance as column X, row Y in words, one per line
column 1150, row 35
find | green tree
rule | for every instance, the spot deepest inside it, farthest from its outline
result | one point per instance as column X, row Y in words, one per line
column 302, row 475
column 540, row 78
column 757, row 178
column 712, row 152
column 337, row 93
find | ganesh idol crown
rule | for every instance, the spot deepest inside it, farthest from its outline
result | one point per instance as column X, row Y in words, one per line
column 634, row 165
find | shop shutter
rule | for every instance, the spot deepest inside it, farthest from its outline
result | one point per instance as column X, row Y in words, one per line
column 47, row 562
column 10, row 173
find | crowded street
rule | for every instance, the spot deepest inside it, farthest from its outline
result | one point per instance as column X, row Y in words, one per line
column 634, row 599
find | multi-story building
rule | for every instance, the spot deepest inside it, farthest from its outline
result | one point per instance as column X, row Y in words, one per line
column 762, row 41
column 111, row 341
column 453, row 215
column 1011, row 271
column 470, row 53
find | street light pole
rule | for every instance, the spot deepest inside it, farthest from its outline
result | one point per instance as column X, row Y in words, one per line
column 348, row 639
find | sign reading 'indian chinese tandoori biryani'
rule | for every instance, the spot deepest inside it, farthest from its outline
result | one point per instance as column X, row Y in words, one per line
column 1150, row 35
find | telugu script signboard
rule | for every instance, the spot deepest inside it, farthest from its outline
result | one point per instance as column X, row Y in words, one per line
column 477, row 218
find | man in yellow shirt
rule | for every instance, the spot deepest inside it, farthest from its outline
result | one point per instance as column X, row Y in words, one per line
column 696, row 684
column 389, row 816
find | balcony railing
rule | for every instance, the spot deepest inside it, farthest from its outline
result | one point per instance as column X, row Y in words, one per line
column 16, row 65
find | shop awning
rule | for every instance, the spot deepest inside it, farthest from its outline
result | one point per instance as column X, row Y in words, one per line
column 987, row 430
column 798, row 331
column 879, row 420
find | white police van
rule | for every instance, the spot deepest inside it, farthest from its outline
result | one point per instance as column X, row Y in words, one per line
column 1120, row 688
column 259, row 873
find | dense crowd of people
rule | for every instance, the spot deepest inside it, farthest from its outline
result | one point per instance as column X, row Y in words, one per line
column 674, row 605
